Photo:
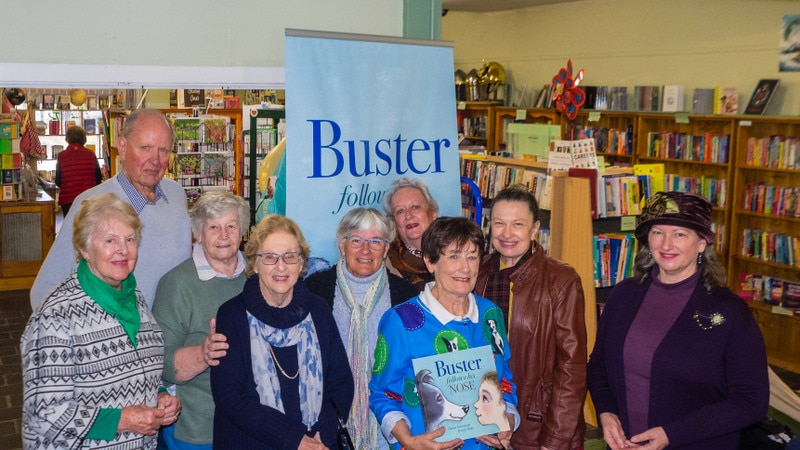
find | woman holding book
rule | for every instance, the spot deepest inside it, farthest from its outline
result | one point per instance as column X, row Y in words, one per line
column 679, row 360
column 285, row 371
column 444, row 317
column 360, row 290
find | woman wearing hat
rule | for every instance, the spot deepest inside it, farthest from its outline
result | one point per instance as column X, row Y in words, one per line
column 679, row 359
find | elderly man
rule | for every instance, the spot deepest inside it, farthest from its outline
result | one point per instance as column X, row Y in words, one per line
column 144, row 148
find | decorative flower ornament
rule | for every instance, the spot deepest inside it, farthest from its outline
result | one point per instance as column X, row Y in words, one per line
column 567, row 96
column 710, row 321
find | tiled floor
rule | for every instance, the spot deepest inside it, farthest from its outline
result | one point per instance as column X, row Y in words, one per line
column 14, row 312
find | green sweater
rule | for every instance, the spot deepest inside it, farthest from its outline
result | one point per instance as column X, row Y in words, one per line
column 183, row 307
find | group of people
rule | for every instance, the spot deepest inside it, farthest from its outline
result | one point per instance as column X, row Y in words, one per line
column 221, row 348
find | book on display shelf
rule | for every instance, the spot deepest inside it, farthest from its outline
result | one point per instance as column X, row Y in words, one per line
column 762, row 95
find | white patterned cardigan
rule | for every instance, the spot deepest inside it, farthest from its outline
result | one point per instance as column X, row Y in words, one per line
column 77, row 359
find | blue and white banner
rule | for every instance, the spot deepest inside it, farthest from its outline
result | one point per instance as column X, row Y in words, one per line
column 362, row 111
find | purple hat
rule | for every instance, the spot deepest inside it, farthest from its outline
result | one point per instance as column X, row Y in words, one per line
column 679, row 209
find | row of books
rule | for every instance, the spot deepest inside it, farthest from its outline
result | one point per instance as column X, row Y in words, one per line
column 709, row 147
column 491, row 178
column 474, row 126
column 775, row 152
column 713, row 189
column 773, row 200
column 606, row 140
column 771, row 290
column 772, row 247
column 613, row 258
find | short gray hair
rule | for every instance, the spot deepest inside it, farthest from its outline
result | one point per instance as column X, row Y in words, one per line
column 362, row 219
column 405, row 182
column 133, row 119
column 214, row 204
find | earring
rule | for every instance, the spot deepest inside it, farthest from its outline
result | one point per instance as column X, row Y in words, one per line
column 649, row 256
column 699, row 259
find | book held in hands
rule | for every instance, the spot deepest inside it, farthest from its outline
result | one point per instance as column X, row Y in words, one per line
column 460, row 391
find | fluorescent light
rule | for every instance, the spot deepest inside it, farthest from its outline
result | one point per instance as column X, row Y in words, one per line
column 98, row 76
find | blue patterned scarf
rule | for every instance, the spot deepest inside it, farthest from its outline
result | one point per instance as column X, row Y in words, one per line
column 309, row 362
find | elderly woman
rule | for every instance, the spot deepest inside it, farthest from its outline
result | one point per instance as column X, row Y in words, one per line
column 446, row 309
column 679, row 359
column 92, row 351
column 412, row 207
column 186, row 304
column 361, row 290
column 285, row 371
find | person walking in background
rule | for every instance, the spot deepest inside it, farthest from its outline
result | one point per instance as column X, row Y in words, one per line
column 542, row 300
column 145, row 145
column 186, row 304
column 679, row 359
column 77, row 169
column 410, row 204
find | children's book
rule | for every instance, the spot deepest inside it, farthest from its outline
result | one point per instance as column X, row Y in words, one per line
column 460, row 390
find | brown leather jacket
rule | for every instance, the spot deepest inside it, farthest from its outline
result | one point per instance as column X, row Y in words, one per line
column 547, row 337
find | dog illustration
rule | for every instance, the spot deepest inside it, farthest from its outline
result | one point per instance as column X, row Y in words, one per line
column 497, row 341
column 436, row 408
column 451, row 345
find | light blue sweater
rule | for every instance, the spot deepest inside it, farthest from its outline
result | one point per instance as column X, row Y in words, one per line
column 166, row 241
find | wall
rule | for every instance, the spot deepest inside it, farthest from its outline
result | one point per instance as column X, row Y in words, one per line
column 634, row 42
column 240, row 37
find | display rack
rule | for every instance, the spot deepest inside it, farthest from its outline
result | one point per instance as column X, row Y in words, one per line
column 254, row 156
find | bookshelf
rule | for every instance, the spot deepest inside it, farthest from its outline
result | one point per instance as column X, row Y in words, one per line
column 476, row 122
column 763, row 148
column 614, row 133
column 696, row 152
column 261, row 141
column 504, row 115
column 10, row 161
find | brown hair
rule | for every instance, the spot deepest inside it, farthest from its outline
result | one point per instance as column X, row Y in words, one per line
column 447, row 230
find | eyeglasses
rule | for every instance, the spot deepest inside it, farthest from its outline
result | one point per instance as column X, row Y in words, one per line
column 357, row 243
column 270, row 259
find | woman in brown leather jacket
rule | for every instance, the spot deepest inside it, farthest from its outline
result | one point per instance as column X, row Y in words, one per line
column 542, row 300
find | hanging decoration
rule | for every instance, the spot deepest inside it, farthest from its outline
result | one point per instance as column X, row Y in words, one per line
column 567, row 96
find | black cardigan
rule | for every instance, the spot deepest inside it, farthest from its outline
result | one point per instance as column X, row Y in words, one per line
column 323, row 283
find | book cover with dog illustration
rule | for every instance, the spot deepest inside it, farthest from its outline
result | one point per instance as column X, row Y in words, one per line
column 460, row 391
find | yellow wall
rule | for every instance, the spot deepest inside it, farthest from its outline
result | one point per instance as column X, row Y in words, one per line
column 698, row 44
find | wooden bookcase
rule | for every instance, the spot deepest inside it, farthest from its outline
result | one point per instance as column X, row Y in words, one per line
column 781, row 333
column 614, row 133
column 697, row 171
column 504, row 115
column 476, row 122
column 27, row 229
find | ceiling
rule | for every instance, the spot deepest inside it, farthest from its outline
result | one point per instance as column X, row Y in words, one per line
column 495, row 5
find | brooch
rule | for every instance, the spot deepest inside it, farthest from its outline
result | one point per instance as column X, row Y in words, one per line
column 710, row 321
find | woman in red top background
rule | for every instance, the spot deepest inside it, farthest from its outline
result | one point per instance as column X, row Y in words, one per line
column 77, row 168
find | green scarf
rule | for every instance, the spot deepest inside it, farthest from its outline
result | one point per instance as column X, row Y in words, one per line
column 120, row 303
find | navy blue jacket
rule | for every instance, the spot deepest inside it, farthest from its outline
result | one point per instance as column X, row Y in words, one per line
column 706, row 384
